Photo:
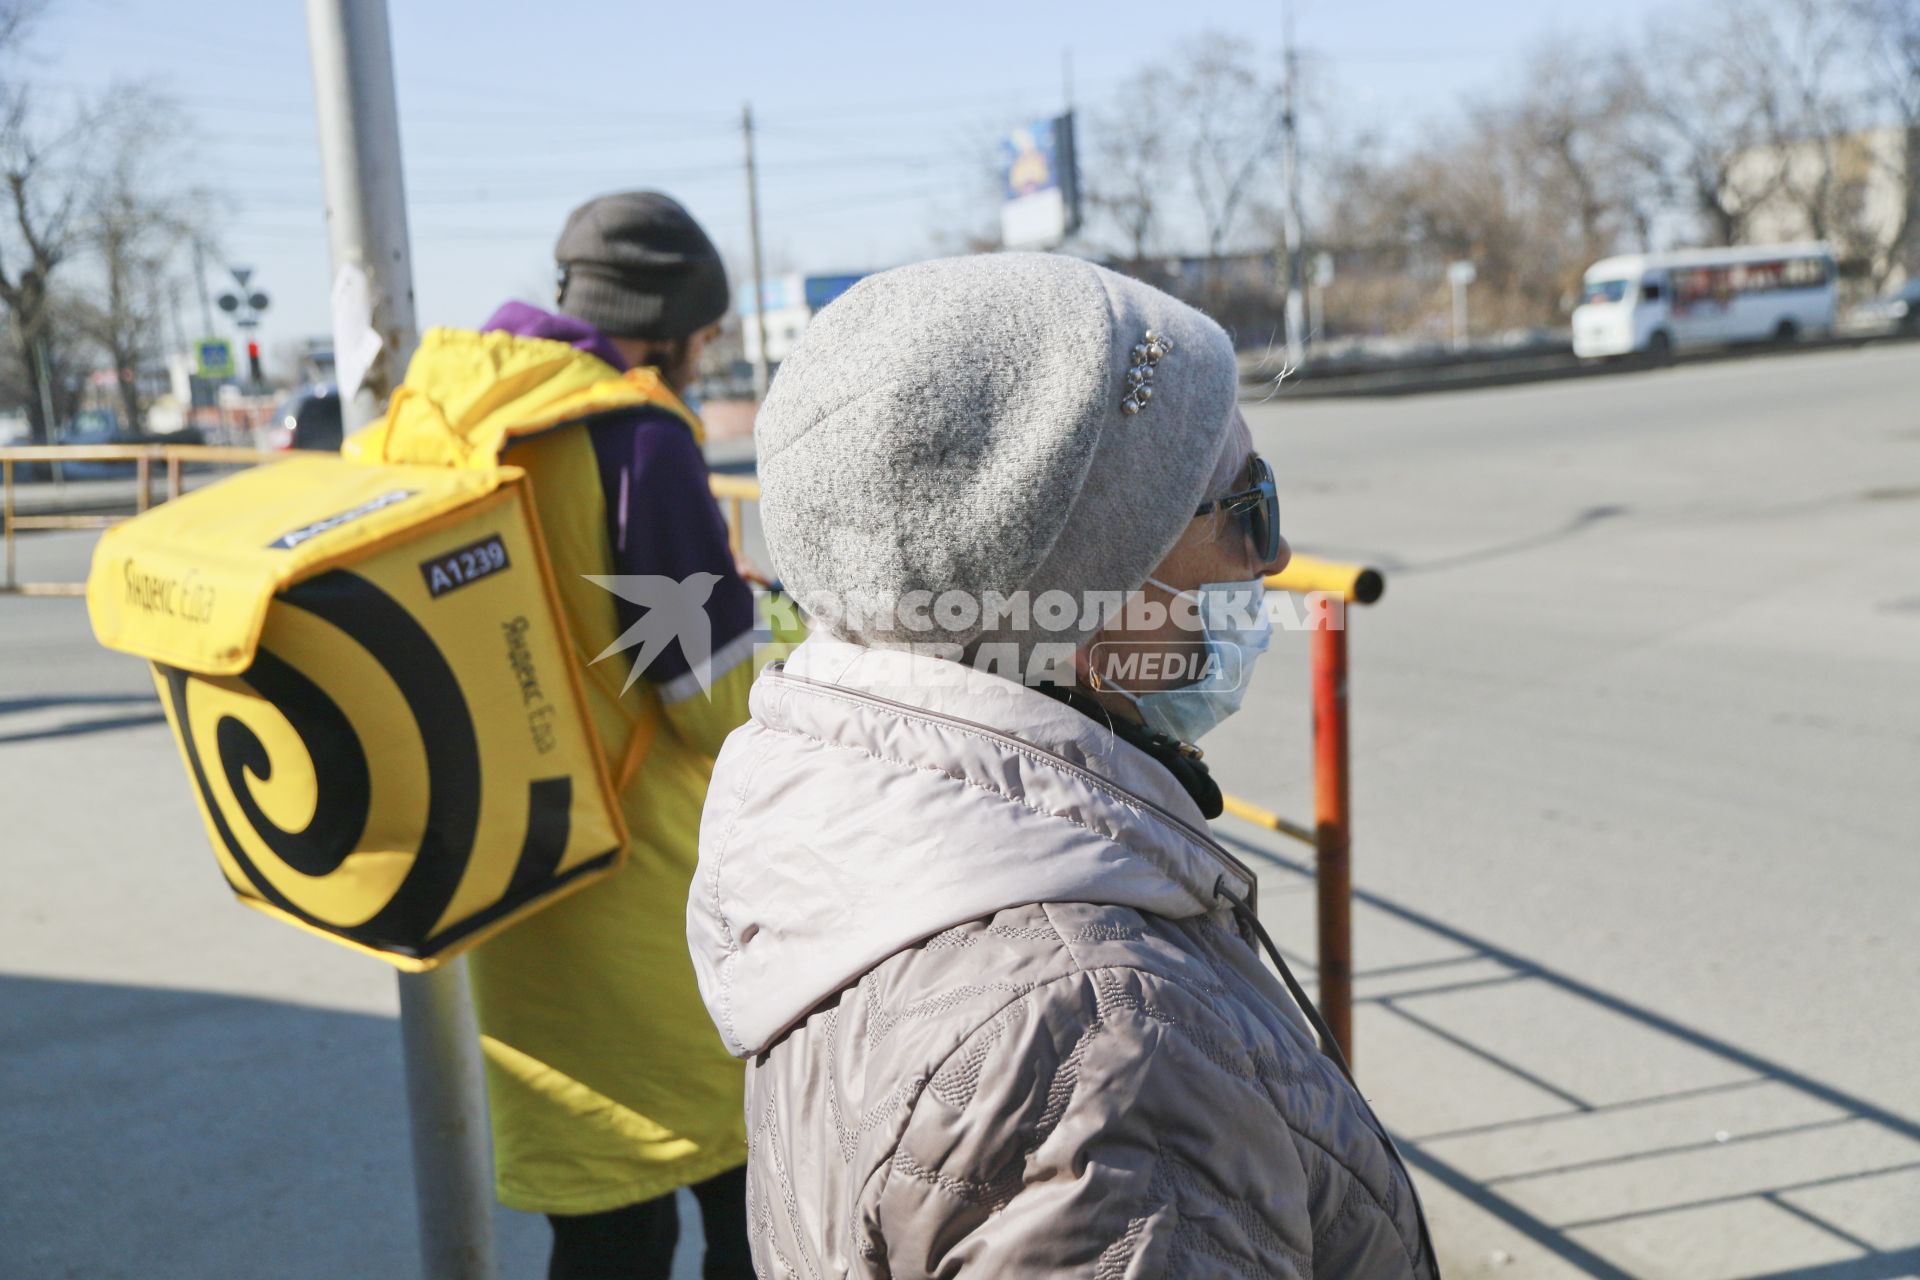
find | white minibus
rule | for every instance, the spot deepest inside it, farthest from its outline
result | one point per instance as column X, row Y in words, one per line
column 1659, row 303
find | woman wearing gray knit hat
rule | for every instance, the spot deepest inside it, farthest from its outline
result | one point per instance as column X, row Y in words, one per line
column 957, row 903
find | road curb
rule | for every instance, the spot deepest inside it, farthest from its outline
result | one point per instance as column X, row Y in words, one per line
column 1520, row 371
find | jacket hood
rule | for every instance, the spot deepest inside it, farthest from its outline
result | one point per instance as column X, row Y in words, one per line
column 467, row 395
column 524, row 320
column 879, row 796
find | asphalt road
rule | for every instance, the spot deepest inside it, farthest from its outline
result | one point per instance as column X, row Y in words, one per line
column 1637, row 782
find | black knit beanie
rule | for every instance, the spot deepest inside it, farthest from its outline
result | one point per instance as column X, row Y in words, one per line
column 636, row 265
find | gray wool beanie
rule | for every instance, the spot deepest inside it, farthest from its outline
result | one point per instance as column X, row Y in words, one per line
column 997, row 423
column 636, row 265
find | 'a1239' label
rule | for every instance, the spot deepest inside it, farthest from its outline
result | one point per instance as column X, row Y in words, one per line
column 464, row 565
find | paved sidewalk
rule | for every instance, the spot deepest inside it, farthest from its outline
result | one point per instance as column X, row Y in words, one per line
column 1591, row 1134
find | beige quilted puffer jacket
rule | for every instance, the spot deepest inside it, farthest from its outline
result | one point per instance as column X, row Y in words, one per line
column 1000, row 1017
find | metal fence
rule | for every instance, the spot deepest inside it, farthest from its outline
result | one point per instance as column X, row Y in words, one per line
column 173, row 460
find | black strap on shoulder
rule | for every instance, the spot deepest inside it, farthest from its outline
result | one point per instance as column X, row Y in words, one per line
column 1176, row 757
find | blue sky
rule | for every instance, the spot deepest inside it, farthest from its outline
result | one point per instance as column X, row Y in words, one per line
column 872, row 115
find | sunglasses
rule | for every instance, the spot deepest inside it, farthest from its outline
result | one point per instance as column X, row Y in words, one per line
column 1257, row 508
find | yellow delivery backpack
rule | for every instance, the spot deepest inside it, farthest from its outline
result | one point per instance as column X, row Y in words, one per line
column 370, row 679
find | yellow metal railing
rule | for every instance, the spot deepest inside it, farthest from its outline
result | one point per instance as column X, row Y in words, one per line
column 1307, row 575
column 173, row 458
column 736, row 492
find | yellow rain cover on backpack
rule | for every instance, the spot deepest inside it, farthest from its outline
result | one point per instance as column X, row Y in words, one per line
column 369, row 678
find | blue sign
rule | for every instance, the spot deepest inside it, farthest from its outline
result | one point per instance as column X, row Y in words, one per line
column 824, row 289
column 781, row 292
column 213, row 358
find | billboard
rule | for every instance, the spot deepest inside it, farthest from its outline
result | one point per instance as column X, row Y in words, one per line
column 1040, row 185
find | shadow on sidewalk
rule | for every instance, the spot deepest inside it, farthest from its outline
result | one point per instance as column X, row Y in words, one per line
column 73, row 728
column 162, row 1133
column 1623, row 1142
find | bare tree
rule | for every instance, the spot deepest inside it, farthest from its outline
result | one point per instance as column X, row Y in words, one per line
column 1793, row 54
column 1227, row 124
column 960, row 226
column 1701, row 128
column 1532, row 187
column 135, row 227
column 36, row 223
column 1890, row 35
column 15, row 17
column 1132, row 175
column 91, row 224
column 1576, row 117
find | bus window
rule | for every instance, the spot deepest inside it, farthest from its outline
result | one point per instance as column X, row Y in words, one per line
column 1756, row 277
column 1803, row 273
column 1779, row 273
column 1700, row 285
column 1603, row 291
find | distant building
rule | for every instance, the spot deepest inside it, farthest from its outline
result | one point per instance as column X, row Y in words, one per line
column 791, row 301
column 1852, row 190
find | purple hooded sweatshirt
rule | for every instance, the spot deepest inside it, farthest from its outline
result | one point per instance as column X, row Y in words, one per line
column 661, row 516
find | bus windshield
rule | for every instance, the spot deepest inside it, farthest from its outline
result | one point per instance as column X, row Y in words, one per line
column 1603, row 291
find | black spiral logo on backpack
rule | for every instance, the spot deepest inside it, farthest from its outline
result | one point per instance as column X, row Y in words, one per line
column 376, row 623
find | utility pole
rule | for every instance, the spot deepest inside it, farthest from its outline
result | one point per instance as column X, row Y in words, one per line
column 1459, row 275
column 200, row 281
column 374, row 335
column 1290, row 222
column 206, row 331
column 43, row 367
column 760, row 363
column 1320, row 277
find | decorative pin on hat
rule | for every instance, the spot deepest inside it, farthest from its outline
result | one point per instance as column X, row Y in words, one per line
column 1146, row 354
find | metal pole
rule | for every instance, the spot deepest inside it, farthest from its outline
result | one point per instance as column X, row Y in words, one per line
column 6, row 514
column 1459, row 314
column 1332, row 825
column 45, row 369
column 366, row 196
column 447, row 1107
column 1290, row 221
column 760, row 375
column 359, row 128
column 200, row 280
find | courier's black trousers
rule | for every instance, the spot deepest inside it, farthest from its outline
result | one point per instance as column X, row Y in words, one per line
column 636, row 1242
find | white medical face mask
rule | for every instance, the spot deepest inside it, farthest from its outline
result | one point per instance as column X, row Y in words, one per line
column 1234, row 620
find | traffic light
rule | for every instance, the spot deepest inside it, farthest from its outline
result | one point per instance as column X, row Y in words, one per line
column 253, row 360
